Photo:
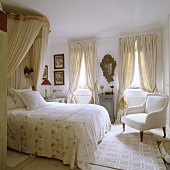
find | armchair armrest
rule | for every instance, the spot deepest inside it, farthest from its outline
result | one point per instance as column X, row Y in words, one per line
column 156, row 119
column 134, row 109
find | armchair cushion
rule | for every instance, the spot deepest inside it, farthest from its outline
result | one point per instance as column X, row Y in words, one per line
column 154, row 103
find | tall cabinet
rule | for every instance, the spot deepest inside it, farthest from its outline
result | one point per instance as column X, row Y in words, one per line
column 107, row 101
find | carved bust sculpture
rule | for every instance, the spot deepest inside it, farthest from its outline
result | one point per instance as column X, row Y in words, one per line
column 108, row 65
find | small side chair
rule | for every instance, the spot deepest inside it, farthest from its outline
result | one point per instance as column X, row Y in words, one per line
column 150, row 115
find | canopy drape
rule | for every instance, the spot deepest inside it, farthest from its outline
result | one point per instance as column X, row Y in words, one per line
column 22, row 33
column 39, row 49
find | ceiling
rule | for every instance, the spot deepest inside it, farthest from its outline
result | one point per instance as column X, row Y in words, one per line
column 77, row 19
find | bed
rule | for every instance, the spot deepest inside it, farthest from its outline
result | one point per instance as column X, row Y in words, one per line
column 67, row 132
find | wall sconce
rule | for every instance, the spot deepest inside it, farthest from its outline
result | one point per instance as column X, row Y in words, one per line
column 27, row 72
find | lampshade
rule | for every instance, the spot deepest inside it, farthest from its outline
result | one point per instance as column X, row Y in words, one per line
column 46, row 82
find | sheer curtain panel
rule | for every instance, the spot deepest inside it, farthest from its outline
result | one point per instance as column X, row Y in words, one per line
column 76, row 52
column 90, row 55
column 147, row 52
column 125, row 69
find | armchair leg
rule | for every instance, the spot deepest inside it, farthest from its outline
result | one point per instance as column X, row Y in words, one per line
column 123, row 126
column 164, row 132
column 141, row 136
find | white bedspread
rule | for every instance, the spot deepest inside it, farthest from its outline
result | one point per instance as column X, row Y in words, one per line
column 64, row 131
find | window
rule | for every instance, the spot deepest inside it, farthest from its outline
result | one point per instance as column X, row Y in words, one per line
column 82, row 80
column 82, row 94
column 136, row 81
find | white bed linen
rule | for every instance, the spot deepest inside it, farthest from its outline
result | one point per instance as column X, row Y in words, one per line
column 64, row 131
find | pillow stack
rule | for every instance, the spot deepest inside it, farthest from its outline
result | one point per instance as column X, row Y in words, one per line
column 11, row 104
column 17, row 98
column 28, row 98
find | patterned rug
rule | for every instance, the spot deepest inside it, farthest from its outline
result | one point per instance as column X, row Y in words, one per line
column 125, row 151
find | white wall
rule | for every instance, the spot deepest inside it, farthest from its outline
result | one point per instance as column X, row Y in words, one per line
column 106, row 45
column 166, row 68
column 53, row 49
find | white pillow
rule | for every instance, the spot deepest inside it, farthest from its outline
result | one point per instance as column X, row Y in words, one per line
column 10, row 103
column 17, row 98
column 32, row 99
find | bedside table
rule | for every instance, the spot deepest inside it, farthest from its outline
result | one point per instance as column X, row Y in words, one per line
column 58, row 100
column 107, row 101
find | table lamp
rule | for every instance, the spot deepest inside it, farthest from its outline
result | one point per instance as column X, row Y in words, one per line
column 46, row 82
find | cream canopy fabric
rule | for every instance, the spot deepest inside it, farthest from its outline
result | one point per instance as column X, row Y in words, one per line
column 22, row 32
column 38, row 62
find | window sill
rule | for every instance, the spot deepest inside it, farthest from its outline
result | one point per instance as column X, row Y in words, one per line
column 82, row 92
column 135, row 93
column 139, row 90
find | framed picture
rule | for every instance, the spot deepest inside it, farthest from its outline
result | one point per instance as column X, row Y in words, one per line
column 45, row 74
column 59, row 77
column 59, row 61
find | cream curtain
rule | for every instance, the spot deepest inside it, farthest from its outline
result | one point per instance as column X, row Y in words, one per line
column 22, row 32
column 90, row 56
column 21, row 35
column 147, row 53
column 17, row 79
column 76, row 52
column 38, row 56
column 126, row 69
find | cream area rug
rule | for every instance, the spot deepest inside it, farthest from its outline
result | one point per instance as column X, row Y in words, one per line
column 14, row 158
column 125, row 151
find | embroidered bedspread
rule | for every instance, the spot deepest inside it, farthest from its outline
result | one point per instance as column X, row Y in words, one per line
column 63, row 131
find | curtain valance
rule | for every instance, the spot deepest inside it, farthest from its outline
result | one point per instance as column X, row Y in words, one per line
column 28, row 17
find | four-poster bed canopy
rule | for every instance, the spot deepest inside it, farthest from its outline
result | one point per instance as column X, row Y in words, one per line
column 27, row 46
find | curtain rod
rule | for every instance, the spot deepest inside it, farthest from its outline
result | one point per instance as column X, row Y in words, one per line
column 81, row 42
column 140, row 35
column 86, row 42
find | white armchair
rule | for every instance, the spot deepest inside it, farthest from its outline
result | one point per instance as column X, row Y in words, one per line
column 150, row 115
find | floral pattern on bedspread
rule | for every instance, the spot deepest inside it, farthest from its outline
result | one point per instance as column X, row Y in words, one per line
column 63, row 131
